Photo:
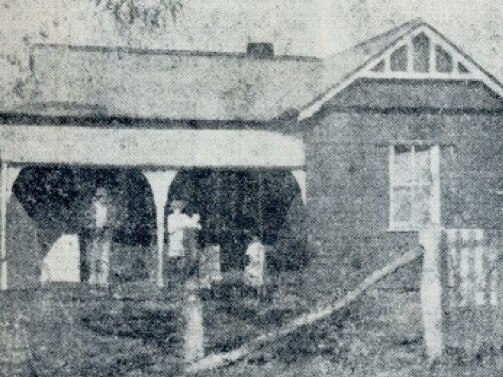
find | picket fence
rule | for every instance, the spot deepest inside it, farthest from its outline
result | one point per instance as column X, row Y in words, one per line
column 462, row 290
column 472, row 260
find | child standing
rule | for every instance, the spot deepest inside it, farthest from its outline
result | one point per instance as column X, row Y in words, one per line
column 253, row 276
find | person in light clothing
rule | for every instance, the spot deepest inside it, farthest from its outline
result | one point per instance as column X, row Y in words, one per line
column 181, row 231
column 102, row 216
column 177, row 223
column 253, row 276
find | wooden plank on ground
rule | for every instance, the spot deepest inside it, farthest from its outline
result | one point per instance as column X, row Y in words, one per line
column 222, row 359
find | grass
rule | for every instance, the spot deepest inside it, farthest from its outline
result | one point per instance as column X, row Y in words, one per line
column 66, row 335
column 78, row 334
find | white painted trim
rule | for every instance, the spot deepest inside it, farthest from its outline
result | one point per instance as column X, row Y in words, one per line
column 387, row 64
column 435, row 207
column 8, row 176
column 316, row 106
column 300, row 177
column 12, row 174
column 3, row 226
column 410, row 56
column 150, row 148
column 435, row 200
column 391, row 175
column 435, row 38
column 433, row 56
column 160, row 181
column 421, row 76
column 433, row 74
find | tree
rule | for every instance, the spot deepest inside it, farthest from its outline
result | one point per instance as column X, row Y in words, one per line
column 152, row 13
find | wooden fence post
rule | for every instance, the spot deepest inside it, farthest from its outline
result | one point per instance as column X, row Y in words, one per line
column 432, row 291
column 193, row 342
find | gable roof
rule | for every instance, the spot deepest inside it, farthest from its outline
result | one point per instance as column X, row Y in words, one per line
column 192, row 85
column 341, row 65
column 343, row 68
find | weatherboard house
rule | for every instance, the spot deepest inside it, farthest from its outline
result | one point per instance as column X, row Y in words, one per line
column 357, row 150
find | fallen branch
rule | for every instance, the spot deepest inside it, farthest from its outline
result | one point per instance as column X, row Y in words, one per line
column 221, row 359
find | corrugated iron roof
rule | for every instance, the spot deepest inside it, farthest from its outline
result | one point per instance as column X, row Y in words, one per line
column 190, row 84
column 174, row 84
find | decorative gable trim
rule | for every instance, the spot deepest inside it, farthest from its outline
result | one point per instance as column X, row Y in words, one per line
column 424, row 55
column 420, row 54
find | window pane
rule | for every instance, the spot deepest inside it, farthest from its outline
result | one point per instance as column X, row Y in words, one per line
column 421, row 45
column 398, row 59
column 379, row 67
column 403, row 164
column 462, row 68
column 423, row 164
column 444, row 60
column 402, row 204
column 422, row 204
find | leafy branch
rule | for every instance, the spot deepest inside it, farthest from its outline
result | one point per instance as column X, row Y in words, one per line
column 151, row 14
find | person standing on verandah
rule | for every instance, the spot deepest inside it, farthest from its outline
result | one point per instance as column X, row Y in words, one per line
column 103, row 221
column 178, row 223
column 253, row 275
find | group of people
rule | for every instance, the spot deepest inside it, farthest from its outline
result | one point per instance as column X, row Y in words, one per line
column 184, row 252
column 183, row 249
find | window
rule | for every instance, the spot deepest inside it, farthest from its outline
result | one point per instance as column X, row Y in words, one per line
column 421, row 46
column 414, row 187
column 398, row 59
column 444, row 60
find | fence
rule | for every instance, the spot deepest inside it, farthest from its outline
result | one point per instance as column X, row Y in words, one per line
column 14, row 350
column 461, row 290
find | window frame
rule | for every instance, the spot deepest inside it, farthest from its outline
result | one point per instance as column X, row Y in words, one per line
column 434, row 154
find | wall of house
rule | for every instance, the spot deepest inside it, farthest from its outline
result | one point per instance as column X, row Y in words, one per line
column 348, row 184
column 418, row 94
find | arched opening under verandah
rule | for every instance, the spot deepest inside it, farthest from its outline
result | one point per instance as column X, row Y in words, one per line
column 235, row 203
column 57, row 198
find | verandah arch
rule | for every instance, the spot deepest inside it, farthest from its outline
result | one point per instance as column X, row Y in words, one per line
column 235, row 202
column 56, row 198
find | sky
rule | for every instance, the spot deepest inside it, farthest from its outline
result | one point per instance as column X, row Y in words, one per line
column 298, row 27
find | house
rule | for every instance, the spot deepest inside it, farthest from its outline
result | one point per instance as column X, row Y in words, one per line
column 361, row 148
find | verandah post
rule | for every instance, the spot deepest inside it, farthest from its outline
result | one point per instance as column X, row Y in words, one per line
column 432, row 291
column 3, row 225
column 160, row 182
column 300, row 177
column 8, row 175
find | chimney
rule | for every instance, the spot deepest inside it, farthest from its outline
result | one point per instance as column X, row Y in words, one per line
column 260, row 50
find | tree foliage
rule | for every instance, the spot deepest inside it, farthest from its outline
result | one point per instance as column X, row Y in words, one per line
column 152, row 13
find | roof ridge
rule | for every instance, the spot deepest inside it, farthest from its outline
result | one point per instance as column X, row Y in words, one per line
column 406, row 27
column 160, row 51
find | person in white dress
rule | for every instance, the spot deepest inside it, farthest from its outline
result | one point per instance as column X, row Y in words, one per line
column 253, row 276
column 178, row 224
